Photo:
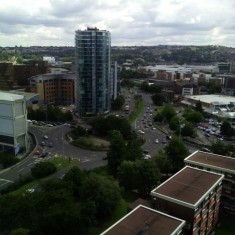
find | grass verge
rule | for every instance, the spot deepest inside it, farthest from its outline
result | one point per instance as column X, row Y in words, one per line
column 139, row 105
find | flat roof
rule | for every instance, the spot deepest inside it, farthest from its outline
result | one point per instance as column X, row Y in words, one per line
column 6, row 96
column 220, row 99
column 218, row 162
column 144, row 220
column 188, row 186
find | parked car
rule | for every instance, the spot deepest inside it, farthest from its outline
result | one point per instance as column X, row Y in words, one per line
column 37, row 152
column 156, row 141
column 45, row 137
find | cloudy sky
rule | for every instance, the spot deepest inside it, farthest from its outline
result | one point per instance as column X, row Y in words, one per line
column 131, row 22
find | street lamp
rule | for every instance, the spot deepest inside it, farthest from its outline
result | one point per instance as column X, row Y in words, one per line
column 182, row 125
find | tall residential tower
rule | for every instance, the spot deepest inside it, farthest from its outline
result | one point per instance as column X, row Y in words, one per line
column 93, row 86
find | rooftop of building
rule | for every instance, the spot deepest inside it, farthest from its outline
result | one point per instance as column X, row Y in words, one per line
column 219, row 162
column 188, row 186
column 6, row 96
column 144, row 220
column 27, row 95
column 220, row 99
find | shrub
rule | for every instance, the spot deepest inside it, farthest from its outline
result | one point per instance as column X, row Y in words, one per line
column 43, row 169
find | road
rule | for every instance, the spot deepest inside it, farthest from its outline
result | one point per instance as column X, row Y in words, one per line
column 87, row 159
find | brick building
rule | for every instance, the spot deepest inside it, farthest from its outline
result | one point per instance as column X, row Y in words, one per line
column 192, row 195
column 219, row 164
column 144, row 220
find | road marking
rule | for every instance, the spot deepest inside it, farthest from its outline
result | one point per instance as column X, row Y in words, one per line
column 21, row 169
column 30, row 164
column 9, row 181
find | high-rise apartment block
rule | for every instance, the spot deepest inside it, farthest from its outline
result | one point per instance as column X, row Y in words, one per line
column 192, row 195
column 219, row 164
column 93, row 86
column 147, row 221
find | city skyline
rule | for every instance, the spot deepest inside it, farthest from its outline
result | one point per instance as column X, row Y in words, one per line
column 139, row 23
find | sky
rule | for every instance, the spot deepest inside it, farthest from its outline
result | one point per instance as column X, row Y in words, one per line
column 130, row 22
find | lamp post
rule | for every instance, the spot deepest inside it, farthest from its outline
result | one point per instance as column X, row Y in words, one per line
column 181, row 126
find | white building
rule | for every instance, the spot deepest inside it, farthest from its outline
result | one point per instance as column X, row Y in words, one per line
column 217, row 105
column 13, row 122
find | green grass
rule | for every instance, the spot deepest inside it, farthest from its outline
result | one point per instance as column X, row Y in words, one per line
column 226, row 226
column 139, row 105
column 60, row 163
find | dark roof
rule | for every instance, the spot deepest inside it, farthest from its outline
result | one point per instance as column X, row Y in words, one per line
column 227, row 164
column 145, row 221
column 188, row 186
column 138, row 202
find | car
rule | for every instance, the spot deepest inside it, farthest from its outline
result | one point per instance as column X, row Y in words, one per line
column 50, row 145
column 154, row 128
column 204, row 149
column 145, row 152
column 44, row 154
column 37, row 152
column 156, row 141
column 45, row 137
column 168, row 137
column 43, row 143
column 147, row 156
column 140, row 132
column 30, row 190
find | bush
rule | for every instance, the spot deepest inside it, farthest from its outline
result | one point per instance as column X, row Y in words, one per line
column 8, row 160
column 43, row 169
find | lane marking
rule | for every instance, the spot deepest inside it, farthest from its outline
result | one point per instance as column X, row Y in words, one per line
column 21, row 169
column 9, row 181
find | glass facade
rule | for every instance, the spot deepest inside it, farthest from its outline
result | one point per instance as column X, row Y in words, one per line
column 92, row 57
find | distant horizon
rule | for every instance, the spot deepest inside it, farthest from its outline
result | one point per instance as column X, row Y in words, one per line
column 129, row 46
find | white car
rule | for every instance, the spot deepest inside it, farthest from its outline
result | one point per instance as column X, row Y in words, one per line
column 156, row 141
column 147, row 156
column 140, row 132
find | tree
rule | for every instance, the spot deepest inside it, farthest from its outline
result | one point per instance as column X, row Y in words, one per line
column 168, row 112
column 199, row 106
column 176, row 152
column 118, row 102
column 158, row 99
column 117, row 152
column 20, row 231
column 193, row 116
column 141, row 175
column 188, row 130
column 103, row 191
column 43, row 169
column 227, row 129
column 74, row 178
column 134, row 150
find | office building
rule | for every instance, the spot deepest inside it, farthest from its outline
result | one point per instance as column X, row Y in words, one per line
column 93, row 86
column 13, row 122
column 53, row 88
column 219, row 164
column 144, row 220
column 192, row 195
